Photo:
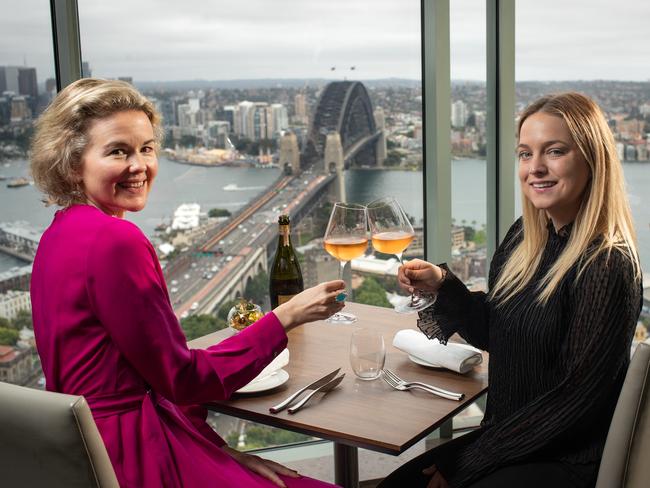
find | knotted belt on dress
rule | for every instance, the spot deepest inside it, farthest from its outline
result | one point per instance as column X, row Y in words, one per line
column 116, row 403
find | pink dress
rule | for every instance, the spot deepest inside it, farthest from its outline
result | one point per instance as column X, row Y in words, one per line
column 105, row 329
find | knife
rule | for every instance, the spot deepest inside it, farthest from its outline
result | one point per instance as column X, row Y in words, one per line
column 312, row 386
column 323, row 389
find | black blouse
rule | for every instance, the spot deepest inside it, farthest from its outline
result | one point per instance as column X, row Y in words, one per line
column 555, row 370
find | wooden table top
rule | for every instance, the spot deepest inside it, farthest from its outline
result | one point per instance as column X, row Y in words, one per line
column 367, row 414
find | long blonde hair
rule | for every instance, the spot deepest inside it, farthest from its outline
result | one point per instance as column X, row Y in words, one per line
column 604, row 212
column 61, row 132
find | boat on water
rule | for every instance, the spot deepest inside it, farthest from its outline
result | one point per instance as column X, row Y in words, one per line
column 18, row 182
column 231, row 187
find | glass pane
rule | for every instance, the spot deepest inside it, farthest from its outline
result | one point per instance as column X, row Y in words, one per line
column 468, row 143
column 27, row 85
column 542, row 68
column 276, row 88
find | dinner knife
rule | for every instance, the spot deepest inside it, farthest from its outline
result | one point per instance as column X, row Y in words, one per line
column 323, row 389
column 312, row 386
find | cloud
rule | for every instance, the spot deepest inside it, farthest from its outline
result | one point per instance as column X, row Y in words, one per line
column 225, row 39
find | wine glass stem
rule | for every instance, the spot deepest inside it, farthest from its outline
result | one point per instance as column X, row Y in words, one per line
column 341, row 269
column 399, row 256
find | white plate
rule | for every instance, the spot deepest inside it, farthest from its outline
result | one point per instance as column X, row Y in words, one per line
column 274, row 380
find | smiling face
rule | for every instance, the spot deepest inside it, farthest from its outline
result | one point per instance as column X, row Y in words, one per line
column 552, row 171
column 119, row 163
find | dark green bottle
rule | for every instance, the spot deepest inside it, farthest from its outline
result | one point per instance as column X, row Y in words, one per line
column 285, row 278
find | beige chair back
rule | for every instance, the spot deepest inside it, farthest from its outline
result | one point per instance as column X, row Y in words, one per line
column 50, row 440
column 625, row 458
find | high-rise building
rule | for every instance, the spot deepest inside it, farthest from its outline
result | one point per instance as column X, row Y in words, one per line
column 300, row 108
column 27, row 84
column 278, row 120
column 50, row 85
column 9, row 82
column 127, row 79
column 458, row 113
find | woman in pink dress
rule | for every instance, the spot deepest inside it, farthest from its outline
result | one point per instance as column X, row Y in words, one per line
column 104, row 324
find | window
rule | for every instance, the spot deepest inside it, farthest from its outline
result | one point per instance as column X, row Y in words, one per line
column 27, row 85
column 267, row 80
column 599, row 59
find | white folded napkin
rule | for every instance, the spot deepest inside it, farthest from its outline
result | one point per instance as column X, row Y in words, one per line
column 280, row 361
column 456, row 357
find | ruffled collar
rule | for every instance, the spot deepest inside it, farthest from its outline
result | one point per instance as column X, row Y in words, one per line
column 563, row 233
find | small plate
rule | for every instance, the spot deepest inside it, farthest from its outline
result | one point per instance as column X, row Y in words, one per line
column 273, row 380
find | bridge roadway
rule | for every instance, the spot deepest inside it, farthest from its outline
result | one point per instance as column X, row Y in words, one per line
column 221, row 264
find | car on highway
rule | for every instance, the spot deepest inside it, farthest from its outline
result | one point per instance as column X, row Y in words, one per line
column 194, row 306
column 185, row 314
column 174, row 289
column 174, row 282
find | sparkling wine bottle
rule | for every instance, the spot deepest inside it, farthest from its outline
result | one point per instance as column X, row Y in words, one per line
column 285, row 278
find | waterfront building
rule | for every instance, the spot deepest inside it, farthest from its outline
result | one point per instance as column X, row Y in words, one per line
column 20, row 236
column 16, row 278
column 12, row 302
column 186, row 216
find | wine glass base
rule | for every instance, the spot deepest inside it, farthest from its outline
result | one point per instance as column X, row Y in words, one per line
column 342, row 318
column 412, row 304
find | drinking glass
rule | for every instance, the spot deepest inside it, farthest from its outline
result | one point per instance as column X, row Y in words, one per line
column 346, row 238
column 367, row 354
column 392, row 233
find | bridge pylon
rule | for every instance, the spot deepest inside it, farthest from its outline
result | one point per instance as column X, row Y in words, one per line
column 289, row 154
column 334, row 163
column 381, row 150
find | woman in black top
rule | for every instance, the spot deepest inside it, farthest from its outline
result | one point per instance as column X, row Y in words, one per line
column 565, row 295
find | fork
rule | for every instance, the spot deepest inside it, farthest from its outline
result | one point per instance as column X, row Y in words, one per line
column 396, row 382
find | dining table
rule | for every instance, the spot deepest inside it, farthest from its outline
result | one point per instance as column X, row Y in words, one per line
column 358, row 413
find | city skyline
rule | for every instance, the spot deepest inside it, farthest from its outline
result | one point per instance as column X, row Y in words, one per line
column 381, row 39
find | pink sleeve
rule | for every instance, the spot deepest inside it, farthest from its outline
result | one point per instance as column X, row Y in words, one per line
column 127, row 292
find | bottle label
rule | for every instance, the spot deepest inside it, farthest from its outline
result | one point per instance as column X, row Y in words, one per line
column 284, row 298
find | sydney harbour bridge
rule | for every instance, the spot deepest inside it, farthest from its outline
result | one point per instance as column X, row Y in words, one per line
column 344, row 132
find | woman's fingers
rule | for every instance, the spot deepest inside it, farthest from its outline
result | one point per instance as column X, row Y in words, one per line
column 280, row 469
column 430, row 470
column 260, row 467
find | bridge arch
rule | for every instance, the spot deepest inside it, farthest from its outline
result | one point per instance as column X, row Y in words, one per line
column 344, row 107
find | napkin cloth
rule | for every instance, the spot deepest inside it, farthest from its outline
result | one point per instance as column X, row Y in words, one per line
column 280, row 361
column 456, row 357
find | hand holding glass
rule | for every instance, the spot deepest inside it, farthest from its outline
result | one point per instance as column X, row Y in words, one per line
column 392, row 233
column 346, row 238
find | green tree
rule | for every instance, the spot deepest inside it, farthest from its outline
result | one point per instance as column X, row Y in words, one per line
column 8, row 337
column 371, row 293
column 4, row 323
column 199, row 325
column 219, row 212
column 258, row 288
column 480, row 237
column 393, row 158
column 23, row 319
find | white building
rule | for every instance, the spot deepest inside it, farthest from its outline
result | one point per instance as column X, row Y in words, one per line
column 458, row 113
column 186, row 216
column 14, row 301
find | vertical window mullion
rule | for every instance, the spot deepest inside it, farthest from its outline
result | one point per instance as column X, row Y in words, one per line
column 500, row 119
column 67, row 47
column 436, row 122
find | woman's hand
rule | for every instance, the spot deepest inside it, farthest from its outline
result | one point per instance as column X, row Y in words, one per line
column 420, row 275
column 437, row 480
column 316, row 303
column 263, row 467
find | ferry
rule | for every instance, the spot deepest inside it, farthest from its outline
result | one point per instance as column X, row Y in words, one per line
column 231, row 187
column 18, row 182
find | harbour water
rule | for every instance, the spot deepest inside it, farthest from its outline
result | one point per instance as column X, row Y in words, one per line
column 178, row 183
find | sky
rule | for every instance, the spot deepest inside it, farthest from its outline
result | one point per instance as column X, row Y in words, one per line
column 165, row 40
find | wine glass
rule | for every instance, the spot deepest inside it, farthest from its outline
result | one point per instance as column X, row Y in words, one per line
column 392, row 233
column 346, row 238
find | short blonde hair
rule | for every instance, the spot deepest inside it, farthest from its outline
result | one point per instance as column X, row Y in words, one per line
column 62, row 133
column 604, row 212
